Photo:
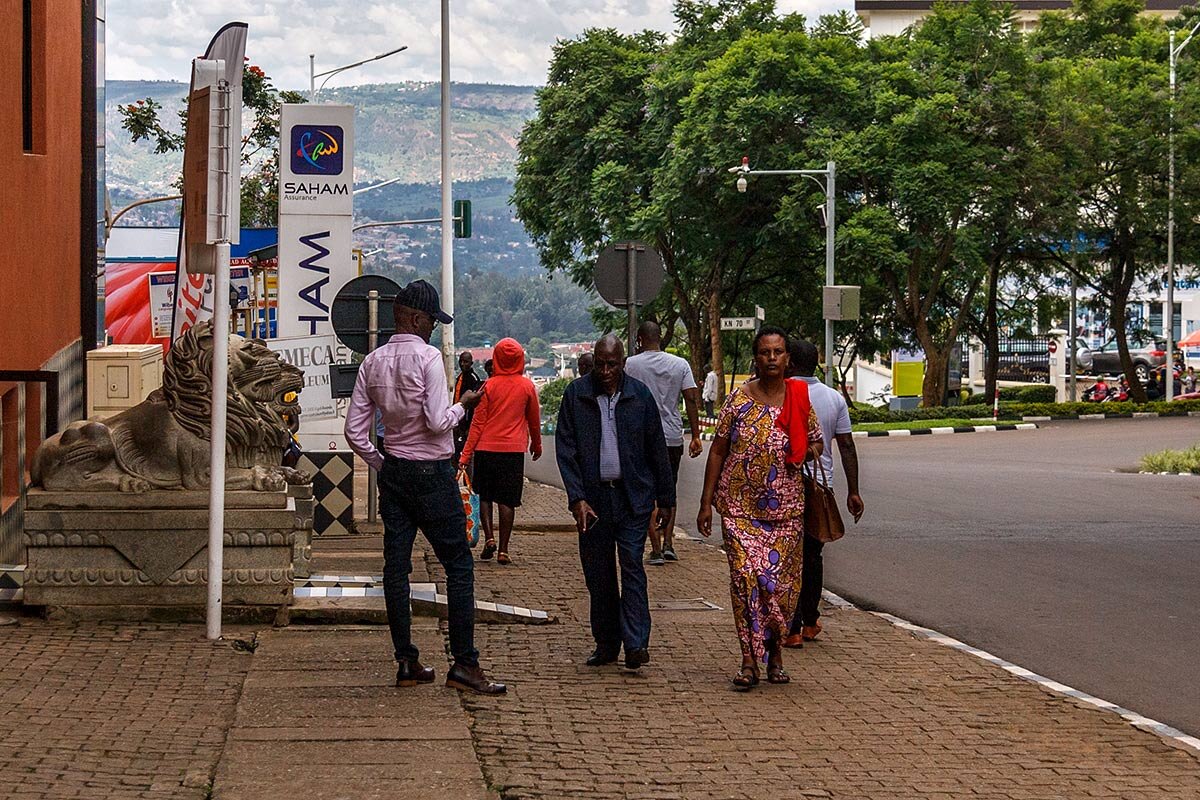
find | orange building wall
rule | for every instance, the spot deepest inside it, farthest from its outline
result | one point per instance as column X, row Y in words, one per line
column 40, row 194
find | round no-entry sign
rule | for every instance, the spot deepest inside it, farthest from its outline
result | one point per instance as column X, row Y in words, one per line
column 1052, row 347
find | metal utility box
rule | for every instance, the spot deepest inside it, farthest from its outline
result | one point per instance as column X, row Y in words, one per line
column 122, row 375
column 841, row 302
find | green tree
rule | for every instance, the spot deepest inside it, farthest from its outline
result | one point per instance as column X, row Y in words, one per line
column 1108, row 73
column 589, row 161
column 937, row 171
column 259, row 146
column 782, row 97
column 550, row 397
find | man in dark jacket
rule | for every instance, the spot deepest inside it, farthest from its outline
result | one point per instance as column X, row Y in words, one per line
column 467, row 381
column 614, row 465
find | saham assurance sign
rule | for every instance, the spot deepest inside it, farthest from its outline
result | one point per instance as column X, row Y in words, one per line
column 316, row 190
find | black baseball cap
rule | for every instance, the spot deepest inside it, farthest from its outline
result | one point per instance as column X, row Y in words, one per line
column 423, row 297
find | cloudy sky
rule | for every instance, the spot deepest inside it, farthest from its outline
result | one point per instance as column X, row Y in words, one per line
column 492, row 41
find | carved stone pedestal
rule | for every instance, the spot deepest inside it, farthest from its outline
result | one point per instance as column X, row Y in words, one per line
column 116, row 555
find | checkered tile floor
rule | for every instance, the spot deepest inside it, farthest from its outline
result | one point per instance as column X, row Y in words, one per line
column 12, row 582
column 333, row 488
column 347, row 586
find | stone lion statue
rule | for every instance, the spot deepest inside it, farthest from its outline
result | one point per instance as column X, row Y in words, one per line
column 163, row 442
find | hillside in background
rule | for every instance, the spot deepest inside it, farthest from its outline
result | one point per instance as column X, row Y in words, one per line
column 395, row 126
column 503, row 290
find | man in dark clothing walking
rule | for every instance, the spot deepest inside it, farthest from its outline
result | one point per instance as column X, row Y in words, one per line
column 613, row 460
column 834, row 416
column 467, row 381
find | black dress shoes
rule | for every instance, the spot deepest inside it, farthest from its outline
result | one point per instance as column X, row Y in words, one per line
column 472, row 679
column 410, row 673
column 601, row 656
column 635, row 658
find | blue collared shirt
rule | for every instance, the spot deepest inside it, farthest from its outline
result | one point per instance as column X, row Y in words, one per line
column 610, row 454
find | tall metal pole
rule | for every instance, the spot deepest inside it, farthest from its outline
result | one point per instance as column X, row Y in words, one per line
column 372, row 343
column 1072, row 367
column 312, row 77
column 631, row 297
column 830, row 187
column 830, row 173
column 220, row 372
column 447, row 202
column 1169, row 316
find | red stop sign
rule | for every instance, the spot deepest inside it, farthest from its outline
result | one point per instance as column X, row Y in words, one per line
column 1053, row 346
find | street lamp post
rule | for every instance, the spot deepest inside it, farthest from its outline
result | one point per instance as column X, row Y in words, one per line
column 828, row 185
column 1169, row 317
column 313, row 89
column 447, row 201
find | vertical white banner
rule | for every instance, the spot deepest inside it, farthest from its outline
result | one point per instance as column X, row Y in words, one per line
column 314, row 263
column 316, row 206
column 193, row 298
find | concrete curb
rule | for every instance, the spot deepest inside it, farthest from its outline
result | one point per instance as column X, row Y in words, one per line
column 1180, row 474
column 1021, row 426
column 1171, row 736
column 1107, row 415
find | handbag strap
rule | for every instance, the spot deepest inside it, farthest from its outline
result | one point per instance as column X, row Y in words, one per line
column 464, row 479
column 816, row 459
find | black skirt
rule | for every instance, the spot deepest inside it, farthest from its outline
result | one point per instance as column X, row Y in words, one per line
column 499, row 477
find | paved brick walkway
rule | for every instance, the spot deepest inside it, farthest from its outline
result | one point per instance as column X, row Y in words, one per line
column 114, row 711
column 872, row 711
column 156, row 711
column 319, row 718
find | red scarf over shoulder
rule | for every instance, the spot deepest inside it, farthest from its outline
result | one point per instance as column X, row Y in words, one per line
column 793, row 419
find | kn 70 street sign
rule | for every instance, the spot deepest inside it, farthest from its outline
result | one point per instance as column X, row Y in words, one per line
column 744, row 323
column 738, row 323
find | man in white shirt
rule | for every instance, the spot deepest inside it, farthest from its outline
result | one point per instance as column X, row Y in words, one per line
column 834, row 416
column 709, row 395
column 669, row 378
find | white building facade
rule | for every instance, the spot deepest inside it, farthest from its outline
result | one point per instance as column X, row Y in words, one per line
column 892, row 17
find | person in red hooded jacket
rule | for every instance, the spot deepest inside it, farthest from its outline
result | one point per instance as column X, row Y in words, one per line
column 507, row 423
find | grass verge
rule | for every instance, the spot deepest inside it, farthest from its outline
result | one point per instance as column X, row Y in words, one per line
column 1173, row 461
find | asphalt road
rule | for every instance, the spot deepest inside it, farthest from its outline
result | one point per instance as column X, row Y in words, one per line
column 1034, row 546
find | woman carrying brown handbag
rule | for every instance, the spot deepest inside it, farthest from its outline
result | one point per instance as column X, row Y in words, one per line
column 754, row 483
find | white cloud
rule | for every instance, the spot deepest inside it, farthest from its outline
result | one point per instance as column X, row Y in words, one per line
column 496, row 41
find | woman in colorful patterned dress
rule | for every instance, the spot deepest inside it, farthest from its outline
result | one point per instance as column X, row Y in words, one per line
column 761, row 502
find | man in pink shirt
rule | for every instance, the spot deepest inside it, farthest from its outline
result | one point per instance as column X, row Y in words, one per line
column 405, row 381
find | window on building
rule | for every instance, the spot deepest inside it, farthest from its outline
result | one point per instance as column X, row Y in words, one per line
column 9, row 464
column 33, row 68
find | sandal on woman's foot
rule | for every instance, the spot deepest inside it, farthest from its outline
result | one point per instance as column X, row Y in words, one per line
column 489, row 550
column 745, row 679
column 503, row 558
column 775, row 674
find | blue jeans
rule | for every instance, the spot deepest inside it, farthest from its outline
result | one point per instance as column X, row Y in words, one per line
column 424, row 494
column 618, row 614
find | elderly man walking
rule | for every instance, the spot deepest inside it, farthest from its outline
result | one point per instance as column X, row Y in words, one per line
column 613, row 460
column 406, row 381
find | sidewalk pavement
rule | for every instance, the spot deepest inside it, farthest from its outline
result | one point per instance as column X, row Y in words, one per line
column 872, row 712
column 318, row 718
column 155, row 711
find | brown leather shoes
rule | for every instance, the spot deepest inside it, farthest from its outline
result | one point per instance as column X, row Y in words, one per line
column 472, row 679
column 810, row 632
column 793, row 640
column 410, row 673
